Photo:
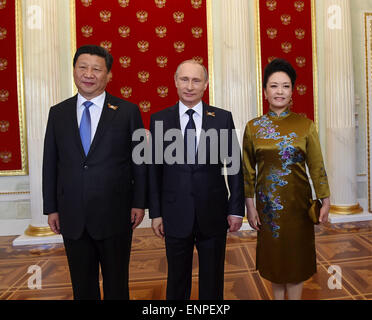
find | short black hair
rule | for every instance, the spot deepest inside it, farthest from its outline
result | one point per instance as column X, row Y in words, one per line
column 95, row 51
column 279, row 65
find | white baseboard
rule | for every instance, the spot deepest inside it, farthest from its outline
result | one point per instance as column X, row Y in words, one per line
column 24, row 240
column 246, row 226
column 342, row 218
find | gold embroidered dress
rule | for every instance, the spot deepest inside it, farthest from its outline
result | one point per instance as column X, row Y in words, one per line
column 280, row 146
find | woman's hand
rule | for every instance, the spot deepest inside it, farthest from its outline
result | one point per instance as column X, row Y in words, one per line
column 252, row 214
column 324, row 210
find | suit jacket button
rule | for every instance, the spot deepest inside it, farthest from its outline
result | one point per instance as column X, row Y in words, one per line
column 86, row 167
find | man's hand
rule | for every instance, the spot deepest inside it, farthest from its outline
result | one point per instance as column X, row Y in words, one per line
column 235, row 223
column 157, row 227
column 53, row 221
column 136, row 217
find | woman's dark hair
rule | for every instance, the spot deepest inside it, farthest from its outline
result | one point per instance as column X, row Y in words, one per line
column 95, row 51
column 279, row 65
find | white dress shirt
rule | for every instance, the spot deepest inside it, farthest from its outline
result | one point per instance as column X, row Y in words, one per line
column 197, row 116
column 95, row 111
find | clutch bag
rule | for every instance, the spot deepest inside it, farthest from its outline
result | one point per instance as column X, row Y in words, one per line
column 314, row 210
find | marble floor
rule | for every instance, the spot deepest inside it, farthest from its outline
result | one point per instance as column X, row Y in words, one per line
column 347, row 245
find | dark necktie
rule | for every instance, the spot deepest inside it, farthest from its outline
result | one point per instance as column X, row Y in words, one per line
column 190, row 133
column 85, row 127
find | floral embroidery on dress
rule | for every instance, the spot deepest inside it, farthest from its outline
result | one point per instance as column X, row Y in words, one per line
column 288, row 155
column 267, row 130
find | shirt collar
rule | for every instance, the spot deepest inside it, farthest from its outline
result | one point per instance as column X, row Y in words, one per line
column 281, row 115
column 197, row 108
column 97, row 101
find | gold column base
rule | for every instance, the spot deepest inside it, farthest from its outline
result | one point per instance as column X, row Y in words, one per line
column 39, row 231
column 346, row 209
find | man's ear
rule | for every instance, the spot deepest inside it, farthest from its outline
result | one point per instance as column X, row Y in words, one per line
column 109, row 76
column 206, row 85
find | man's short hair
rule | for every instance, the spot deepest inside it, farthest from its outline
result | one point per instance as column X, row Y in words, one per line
column 193, row 62
column 95, row 51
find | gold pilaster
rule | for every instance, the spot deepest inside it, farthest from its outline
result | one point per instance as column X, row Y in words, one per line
column 210, row 51
column 20, row 95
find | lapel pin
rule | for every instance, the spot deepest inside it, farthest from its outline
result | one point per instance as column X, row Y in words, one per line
column 112, row 107
column 210, row 114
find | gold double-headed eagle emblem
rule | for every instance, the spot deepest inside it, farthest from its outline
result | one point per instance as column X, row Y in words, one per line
column 106, row 44
column 3, row 64
column 124, row 31
column 142, row 16
column 161, row 61
column 143, row 45
column 105, row 15
column 125, row 61
column 145, row 105
column 4, row 95
column 86, row 3
column 178, row 16
column 2, row 4
column 161, row 31
column 4, row 126
column 126, row 92
column 5, row 156
column 123, row 3
column 160, row 3
column 143, row 76
column 162, row 91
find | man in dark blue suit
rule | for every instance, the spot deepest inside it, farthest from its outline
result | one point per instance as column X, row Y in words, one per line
column 189, row 201
column 94, row 194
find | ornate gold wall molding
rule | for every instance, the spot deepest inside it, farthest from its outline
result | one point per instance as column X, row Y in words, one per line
column 73, row 38
column 210, row 52
column 368, row 66
column 14, row 193
column 20, row 95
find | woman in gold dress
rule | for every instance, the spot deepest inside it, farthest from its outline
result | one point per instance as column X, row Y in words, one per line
column 276, row 148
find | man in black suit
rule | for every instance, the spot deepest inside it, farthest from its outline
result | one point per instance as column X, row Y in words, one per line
column 94, row 194
column 188, row 202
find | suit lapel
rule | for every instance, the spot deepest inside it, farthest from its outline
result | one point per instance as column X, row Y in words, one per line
column 207, row 123
column 174, row 117
column 107, row 116
column 73, row 122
